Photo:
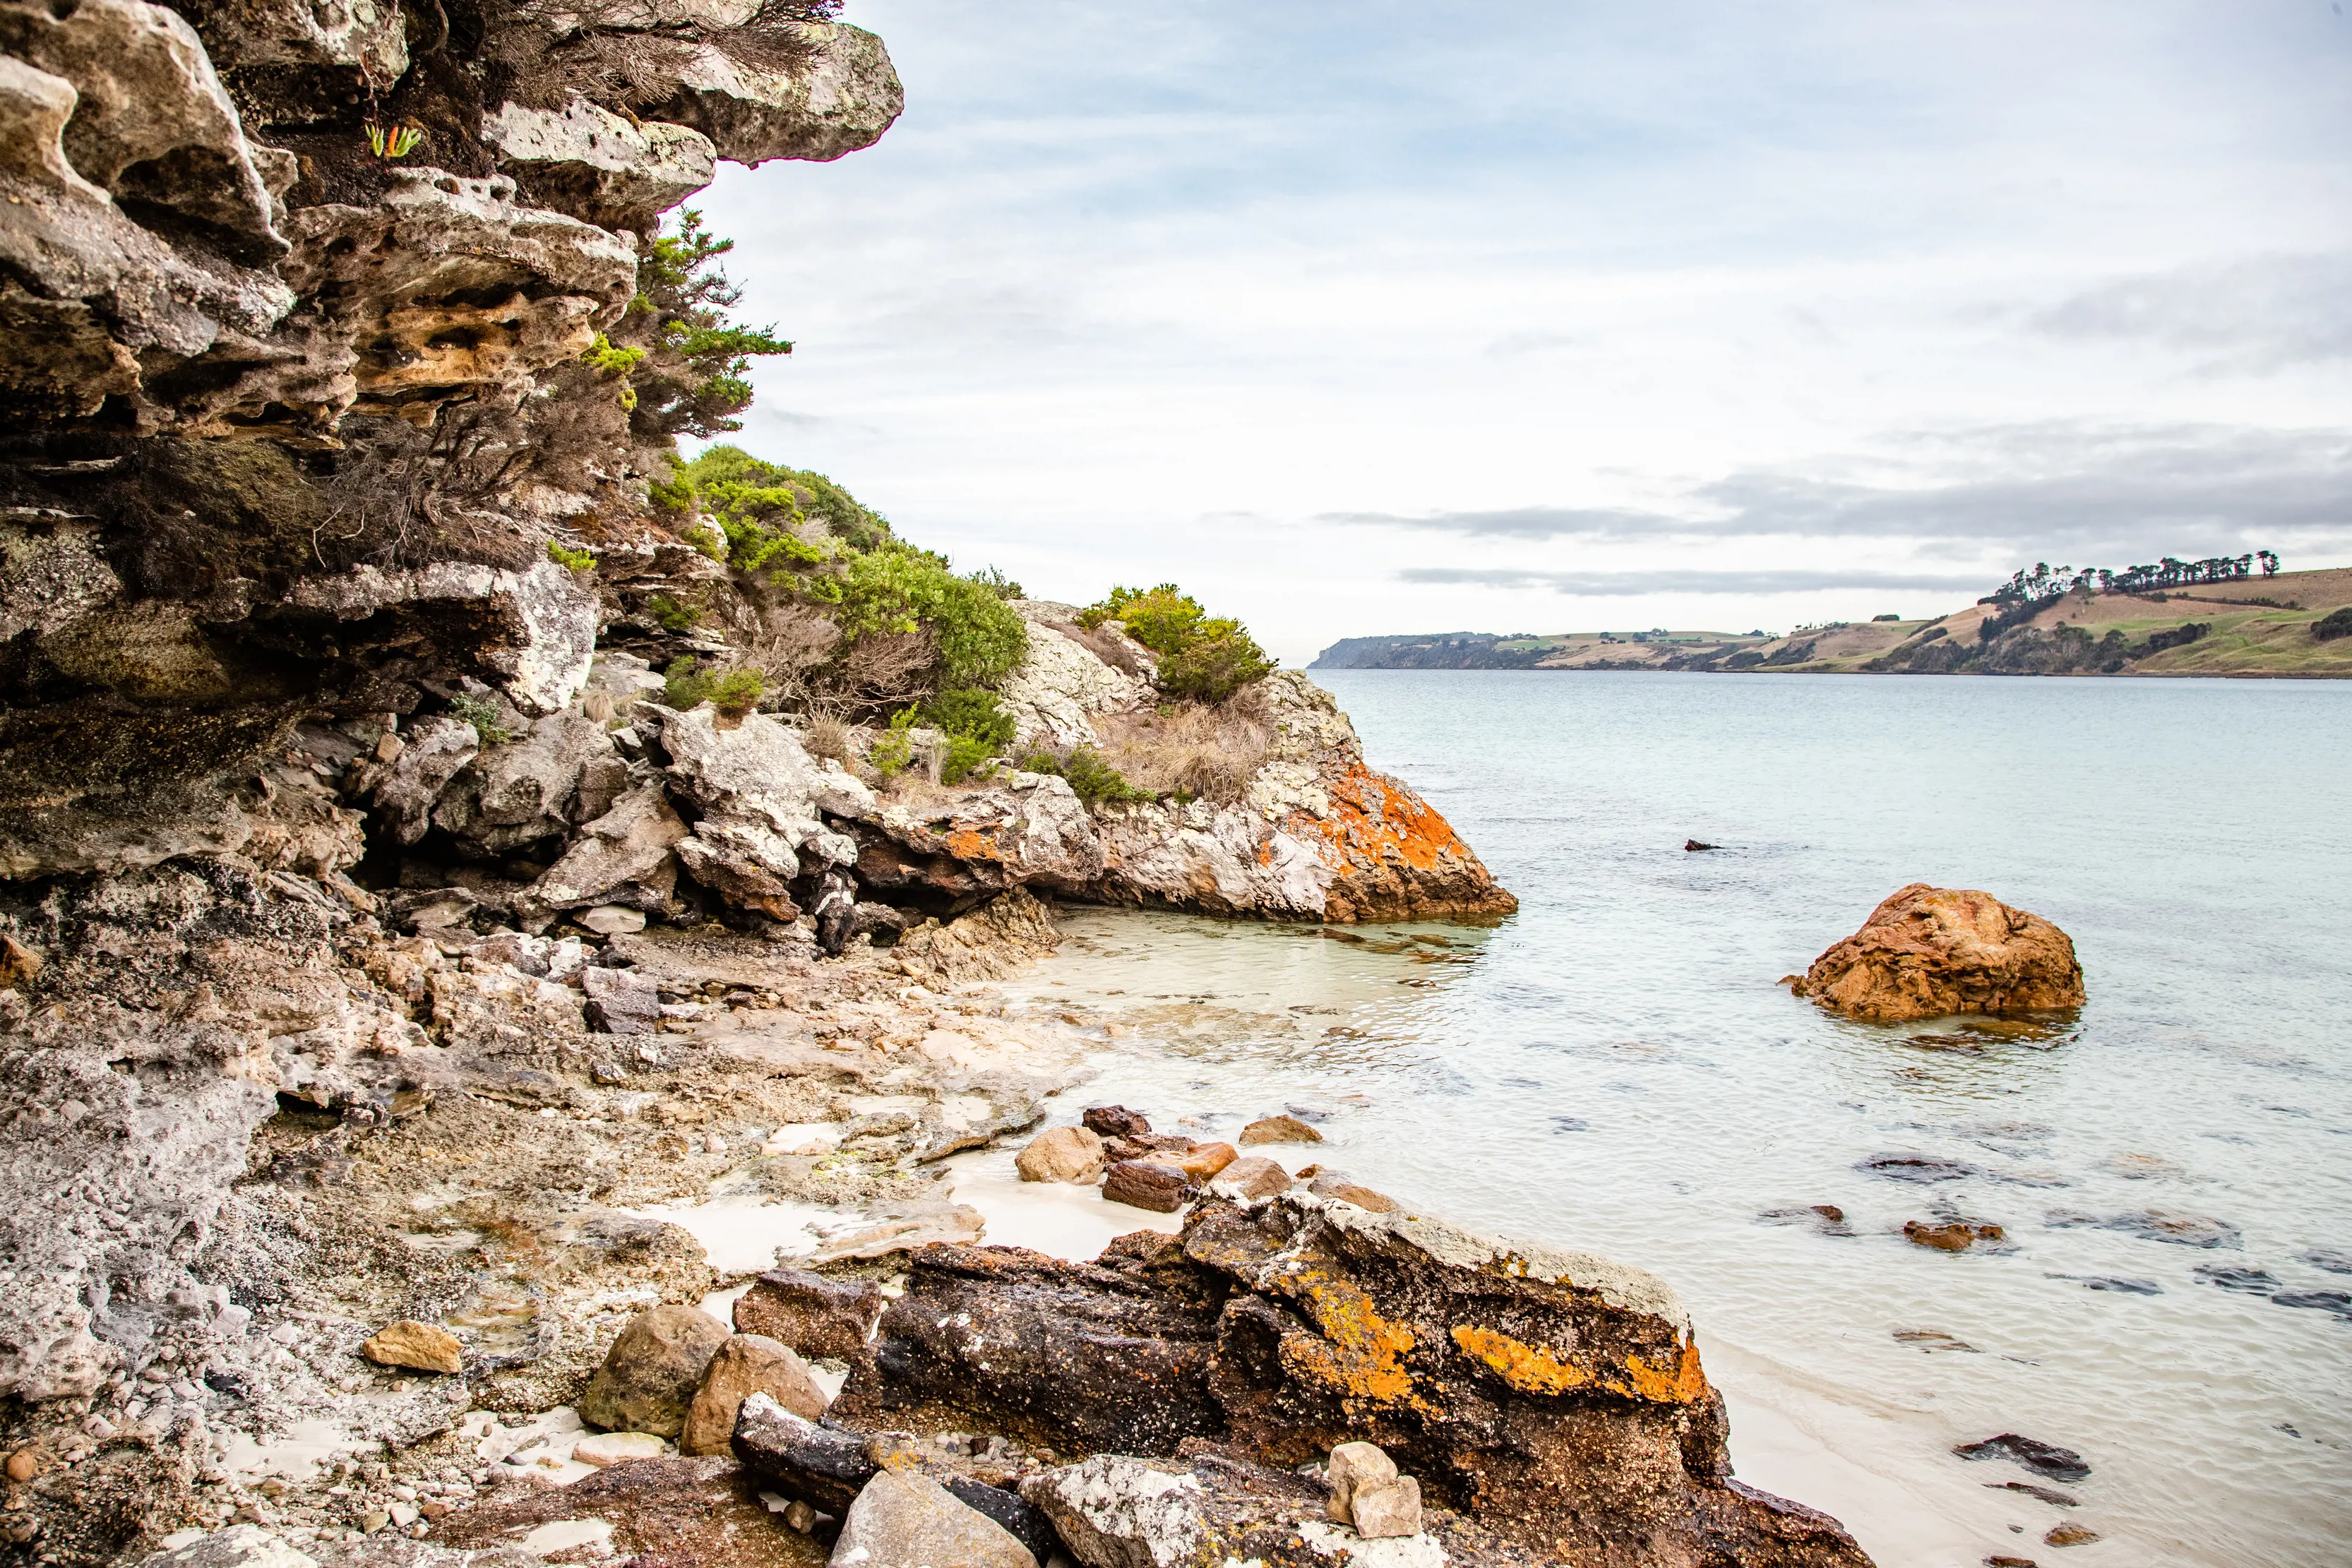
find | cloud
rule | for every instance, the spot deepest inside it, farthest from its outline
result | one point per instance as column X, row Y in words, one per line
column 2258, row 314
column 1634, row 584
column 2116, row 491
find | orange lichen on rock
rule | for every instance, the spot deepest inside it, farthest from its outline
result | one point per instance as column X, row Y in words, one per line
column 1529, row 1368
column 1393, row 856
column 1684, row 1384
column 1366, row 1356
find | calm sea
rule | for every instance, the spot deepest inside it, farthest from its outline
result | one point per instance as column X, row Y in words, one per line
column 1614, row 1069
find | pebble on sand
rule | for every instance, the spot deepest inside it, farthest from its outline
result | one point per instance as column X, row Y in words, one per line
column 420, row 1347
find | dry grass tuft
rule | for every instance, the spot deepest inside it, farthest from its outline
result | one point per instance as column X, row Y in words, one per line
column 1209, row 752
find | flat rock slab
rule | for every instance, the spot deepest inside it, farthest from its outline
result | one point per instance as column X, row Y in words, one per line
column 681, row 1511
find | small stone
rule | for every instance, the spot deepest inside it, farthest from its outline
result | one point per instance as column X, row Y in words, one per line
column 1386, row 1509
column 1115, row 1122
column 1201, row 1161
column 1279, row 1130
column 1997, row 1560
column 1142, row 1145
column 650, row 1377
column 404, row 1514
column 19, row 966
column 2069, row 1535
column 613, row 919
column 1062, row 1154
column 421, row 1347
column 607, row 1448
column 746, row 1365
column 1147, row 1184
column 24, row 1464
column 621, row 1002
column 1253, row 1176
column 1355, row 1465
column 800, row 1516
column 911, row 1519
column 1340, row 1189
column 814, row 1315
column 1954, row 1236
column 373, row 1520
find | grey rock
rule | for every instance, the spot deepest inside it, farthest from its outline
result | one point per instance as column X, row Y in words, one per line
column 903, row 1521
column 596, row 166
column 405, row 788
column 525, row 791
column 844, row 100
column 621, row 1002
column 622, row 858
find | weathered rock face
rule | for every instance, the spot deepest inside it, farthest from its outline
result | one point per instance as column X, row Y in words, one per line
column 1927, row 952
column 253, row 375
column 1555, row 1398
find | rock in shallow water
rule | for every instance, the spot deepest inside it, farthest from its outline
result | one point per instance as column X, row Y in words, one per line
column 1147, row 1184
column 1062, row 1154
column 1279, row 1130
column 1930, row 952
column 2042, row 1459
column 1555, row 1398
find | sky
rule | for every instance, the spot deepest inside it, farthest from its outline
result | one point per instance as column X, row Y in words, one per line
column 1550, row 315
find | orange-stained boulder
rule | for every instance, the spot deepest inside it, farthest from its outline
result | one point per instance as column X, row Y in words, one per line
column 1928, row 952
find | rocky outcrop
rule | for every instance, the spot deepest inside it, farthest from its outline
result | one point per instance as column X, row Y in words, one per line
column 1554, row 1398
column 1930, row 952
column 1314, row 835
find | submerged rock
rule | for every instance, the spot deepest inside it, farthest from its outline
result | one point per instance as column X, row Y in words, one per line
column 1928, row 952
column 2042, row 1459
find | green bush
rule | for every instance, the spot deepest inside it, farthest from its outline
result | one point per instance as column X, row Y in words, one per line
column 896, row 748
column 671, row 615
column 483, row 715
column 896, row 589
column 2336, row 624
column 1094, row 782
column 970, row 711
column 1205, row 657
column 564, row 556
column 689, row 683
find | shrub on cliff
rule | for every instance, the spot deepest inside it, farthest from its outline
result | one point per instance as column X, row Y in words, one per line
column 1093, row 781
column 1206, row 658
column 2336, row 624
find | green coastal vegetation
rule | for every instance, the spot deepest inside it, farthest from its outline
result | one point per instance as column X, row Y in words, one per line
column 2234, row 616
column 813, row 606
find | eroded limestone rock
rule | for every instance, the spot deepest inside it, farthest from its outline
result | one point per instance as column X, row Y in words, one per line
column 596, row 166
column 844, row 100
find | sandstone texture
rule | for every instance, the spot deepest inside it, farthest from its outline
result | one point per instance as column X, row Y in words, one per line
column 746, row 1365
column 814, row 1315
column 1928, row 952
column 1062, row 1154
column 651, row 1374
column 419, row 1346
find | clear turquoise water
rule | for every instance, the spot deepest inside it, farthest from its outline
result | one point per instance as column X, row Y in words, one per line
column 1615, row 1068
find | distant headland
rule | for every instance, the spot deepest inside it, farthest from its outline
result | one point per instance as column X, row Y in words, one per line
column 2181, row 618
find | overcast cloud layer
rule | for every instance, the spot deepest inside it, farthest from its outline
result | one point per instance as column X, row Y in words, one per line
column 1362, row 318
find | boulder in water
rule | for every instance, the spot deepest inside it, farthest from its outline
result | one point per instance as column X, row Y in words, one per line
column 1930, row 952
